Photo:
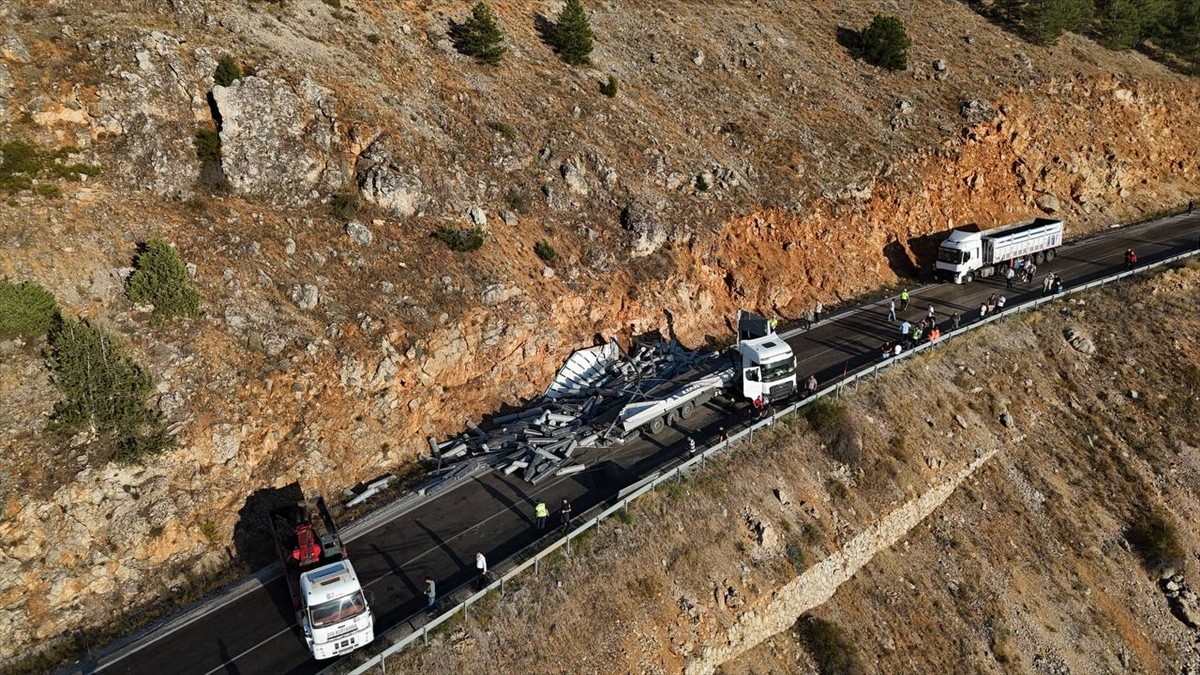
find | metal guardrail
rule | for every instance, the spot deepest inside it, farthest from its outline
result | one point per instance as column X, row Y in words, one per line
column 680, row 470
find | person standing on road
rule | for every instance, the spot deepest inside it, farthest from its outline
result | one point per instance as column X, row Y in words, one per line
column 1000, row 303
column 903, row 300
column 955, row 319
column 481, row 567
column 564, row 514
column 931, row 314
column 1047, row 281
column 772, row 323
column 1058, row 284
column 817, row 310
column 758, row 407
column 1008, row 277
column 1130, row 258
column 691, row 445
column 809, row 319
column 430, row 593
column 892, row 309
column 542, row 514
column 811, row 384
column 983, row 310
column 722, row 434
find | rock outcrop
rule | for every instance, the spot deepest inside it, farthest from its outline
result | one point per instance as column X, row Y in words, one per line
column 276, row 140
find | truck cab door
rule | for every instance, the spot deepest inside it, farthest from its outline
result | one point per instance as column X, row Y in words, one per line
column 752, row 382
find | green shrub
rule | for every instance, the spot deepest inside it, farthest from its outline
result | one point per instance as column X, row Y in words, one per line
column 22, row 162
column 824, row 414
column 609, row 88
column 160, row 279
column 344, row 205
column 479, row 36
column 26, row 310
column 227, row 71
column 209, row 529
column 702, row 184
column 505, row 130
column 572, row 35
column 461, row 239
column 1155, row 538
column 884, row 43
column 104, row 387
column 545, row 251
column 208, row 145
column 828, row 645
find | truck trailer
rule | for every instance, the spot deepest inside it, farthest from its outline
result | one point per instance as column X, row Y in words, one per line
column 969, row 253
column 330, row 606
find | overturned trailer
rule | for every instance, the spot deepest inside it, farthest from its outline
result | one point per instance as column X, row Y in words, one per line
column 602, row 396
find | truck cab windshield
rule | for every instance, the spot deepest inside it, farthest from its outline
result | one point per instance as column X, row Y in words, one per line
column 951, row 256
column 779, row 369
column 337, row 611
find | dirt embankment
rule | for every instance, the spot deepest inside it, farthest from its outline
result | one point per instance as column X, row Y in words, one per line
column 955, row 543
column 826, row 178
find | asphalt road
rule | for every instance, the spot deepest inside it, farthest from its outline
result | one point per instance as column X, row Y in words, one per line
column 494, row 513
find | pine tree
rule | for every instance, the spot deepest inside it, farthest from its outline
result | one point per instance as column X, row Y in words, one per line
column 479, row 36
column 1121, row 23
column 1182, row 33
column 573, row 34
column 1049, row 19
column 884, row 43
column 161, row 280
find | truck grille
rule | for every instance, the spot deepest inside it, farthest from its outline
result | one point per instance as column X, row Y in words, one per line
column 781, row 391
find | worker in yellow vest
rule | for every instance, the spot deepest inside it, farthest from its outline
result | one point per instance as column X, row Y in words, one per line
column 542, row 514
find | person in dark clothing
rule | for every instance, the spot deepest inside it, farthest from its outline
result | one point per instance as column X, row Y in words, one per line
column 564, row 514
column 1130, row 258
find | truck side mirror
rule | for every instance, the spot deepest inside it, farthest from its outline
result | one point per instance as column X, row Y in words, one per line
column 752, row 374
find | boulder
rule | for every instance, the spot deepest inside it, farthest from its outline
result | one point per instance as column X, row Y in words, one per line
column 1048, row 202
column 647, row 233
column 1080, row 341
column 574, row 176
column 305, row 296
column 359, row 233
column 276, row 140
column 383, row 182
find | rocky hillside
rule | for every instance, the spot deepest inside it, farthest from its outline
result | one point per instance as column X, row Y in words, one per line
column 746, row 160
column 1032, row 510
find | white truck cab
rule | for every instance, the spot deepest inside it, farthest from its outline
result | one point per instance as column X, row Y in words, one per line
column 336, row 619
column 768, row 368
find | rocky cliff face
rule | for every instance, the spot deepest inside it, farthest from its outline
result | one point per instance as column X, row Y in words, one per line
column 745, row 163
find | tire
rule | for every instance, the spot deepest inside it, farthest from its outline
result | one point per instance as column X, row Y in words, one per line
column 656, row 426
column 672, row 418
column 1049, row 255
column 969, row 278
column 998, row 270
column 1039, row 258
column 686, row 410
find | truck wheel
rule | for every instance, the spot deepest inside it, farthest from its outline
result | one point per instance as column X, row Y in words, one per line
column 656, row 426
column 1039, row 258
column 998, row 270
column 969, row 278
column 686, row 410
column 672, row 419
column 1049, row 255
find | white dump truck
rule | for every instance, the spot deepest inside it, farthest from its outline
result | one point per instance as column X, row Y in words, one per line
column 329, row 602
column 969, row 253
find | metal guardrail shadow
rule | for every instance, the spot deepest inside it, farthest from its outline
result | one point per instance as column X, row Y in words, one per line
column 692, row 463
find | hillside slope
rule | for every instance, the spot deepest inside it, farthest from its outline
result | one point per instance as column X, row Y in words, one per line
column 326, row 360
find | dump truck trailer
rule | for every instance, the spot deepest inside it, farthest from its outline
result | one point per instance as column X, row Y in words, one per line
column 969, row 253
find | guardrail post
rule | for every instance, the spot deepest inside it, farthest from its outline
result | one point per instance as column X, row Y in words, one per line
column 537, row 565
column 383, row 663
column 425, row 635
column 568, row 543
